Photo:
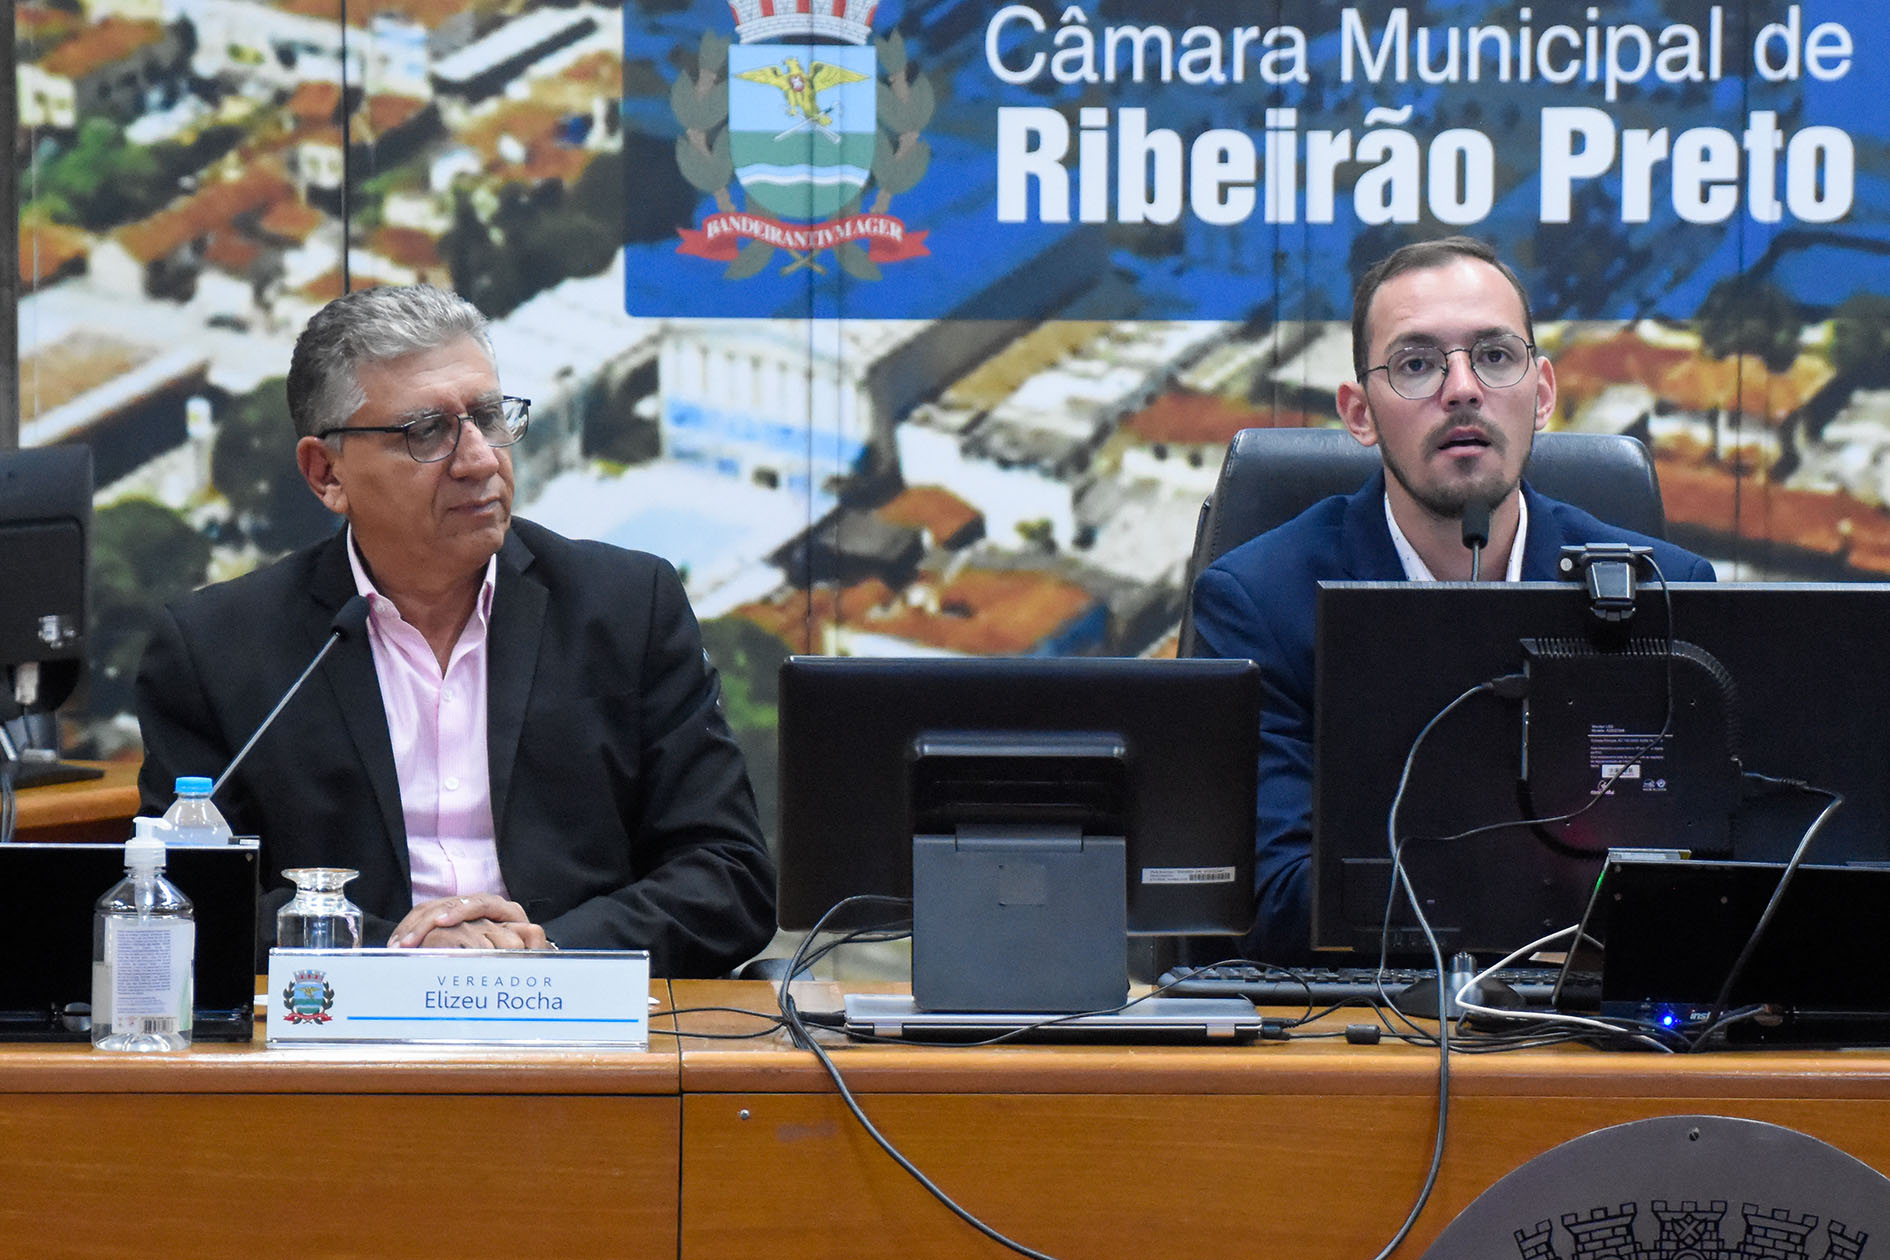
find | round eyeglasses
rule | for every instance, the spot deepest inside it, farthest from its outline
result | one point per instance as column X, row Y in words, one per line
column 1416, row 372
column 434, row 435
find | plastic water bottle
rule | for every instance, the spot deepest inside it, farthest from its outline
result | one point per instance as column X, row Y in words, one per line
column 144, row 945
column 193, row 817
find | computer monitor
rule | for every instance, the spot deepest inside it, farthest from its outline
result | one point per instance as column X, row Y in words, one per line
column 1786, row 680
column 45, row 524
column 1036, row 810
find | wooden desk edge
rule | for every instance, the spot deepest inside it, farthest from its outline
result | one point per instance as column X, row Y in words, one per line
column 256, row 1067
column 770, row 1064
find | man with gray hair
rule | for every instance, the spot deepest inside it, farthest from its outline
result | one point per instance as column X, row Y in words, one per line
column 523, row 747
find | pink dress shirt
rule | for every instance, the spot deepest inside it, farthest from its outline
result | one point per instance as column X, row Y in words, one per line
column 437, row 724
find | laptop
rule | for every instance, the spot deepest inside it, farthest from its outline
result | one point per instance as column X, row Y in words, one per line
column 1167, row 1019
column 46, row 935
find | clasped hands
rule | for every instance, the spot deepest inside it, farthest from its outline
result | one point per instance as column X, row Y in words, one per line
column 481, row 921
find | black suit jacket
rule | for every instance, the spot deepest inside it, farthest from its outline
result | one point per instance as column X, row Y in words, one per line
column 622, row 807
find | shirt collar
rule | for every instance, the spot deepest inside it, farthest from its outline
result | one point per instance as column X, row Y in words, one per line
column 382, row 608
column 1415, row 570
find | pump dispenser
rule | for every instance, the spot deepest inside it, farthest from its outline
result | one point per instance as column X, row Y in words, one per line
column 144, row 940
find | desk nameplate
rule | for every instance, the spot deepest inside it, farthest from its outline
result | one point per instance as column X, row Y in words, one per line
column 552, row 998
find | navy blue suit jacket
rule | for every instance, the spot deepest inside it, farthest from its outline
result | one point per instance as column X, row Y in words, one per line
column 1257, row 601
column 621, row 802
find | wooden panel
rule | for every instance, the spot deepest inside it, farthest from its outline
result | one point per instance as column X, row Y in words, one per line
column 344, row 1151
column 1142, row 1175
column 1074, row 1175
column 1307, row 1149
column 244, row 1175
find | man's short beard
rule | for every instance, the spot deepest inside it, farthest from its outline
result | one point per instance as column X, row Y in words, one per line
column 1447, row 502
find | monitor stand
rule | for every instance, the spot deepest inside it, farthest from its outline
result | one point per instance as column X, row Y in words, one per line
column 32, row 772
column 1023, row 929
column 1432, row 997
column 1152, row 1019
column 1019, row 918
column 30, row 763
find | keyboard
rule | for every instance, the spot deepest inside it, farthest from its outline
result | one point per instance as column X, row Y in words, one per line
column 1328, row 986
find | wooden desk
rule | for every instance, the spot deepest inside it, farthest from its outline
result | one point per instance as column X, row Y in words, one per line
column 242, row 1151
column 93, row 810
column 1307, row 1149
column 711, row 1149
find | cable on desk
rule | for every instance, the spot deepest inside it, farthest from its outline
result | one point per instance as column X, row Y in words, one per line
column 805, row 1039
column 1509, row 687
column 1396, row 1025
column 1403, row 881
column 1557, row 1019
column 1716, row 1020
column 775, row 1023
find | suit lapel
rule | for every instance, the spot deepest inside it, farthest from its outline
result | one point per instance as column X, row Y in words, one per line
column 1370, row 556
column 1542, row 547
column 518, row 615
column 1365, row 540
column 349, row 672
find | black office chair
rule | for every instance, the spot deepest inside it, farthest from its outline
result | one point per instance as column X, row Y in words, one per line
column 1272, row 475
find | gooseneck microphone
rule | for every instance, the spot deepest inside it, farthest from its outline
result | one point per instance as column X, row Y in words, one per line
column 350, row 621
column 1476, row 532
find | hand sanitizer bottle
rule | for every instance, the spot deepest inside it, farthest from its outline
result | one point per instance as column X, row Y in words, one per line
column 144, row 944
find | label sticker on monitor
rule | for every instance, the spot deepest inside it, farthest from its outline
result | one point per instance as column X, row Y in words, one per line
column 1625, row 759
column 1187, row 875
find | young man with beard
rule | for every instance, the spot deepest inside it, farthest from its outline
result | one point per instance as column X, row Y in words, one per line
column 1451, row 391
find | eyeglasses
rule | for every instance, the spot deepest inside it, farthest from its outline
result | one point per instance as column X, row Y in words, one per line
column 1417, row 371
column 434, row 435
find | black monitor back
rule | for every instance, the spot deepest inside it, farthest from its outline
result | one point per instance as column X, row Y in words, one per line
column 45, row 516
column 1810, row 670
column 849, row 727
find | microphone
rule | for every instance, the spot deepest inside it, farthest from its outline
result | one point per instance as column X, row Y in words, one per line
column 350, row 621
column 1476, row 532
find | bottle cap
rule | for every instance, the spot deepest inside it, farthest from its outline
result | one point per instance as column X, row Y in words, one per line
column 145, row 849
column 194, row 785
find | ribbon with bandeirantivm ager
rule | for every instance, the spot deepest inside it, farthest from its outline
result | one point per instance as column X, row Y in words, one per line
column 721, row 235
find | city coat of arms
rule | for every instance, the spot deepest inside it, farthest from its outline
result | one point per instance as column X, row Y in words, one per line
column 817, row 127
